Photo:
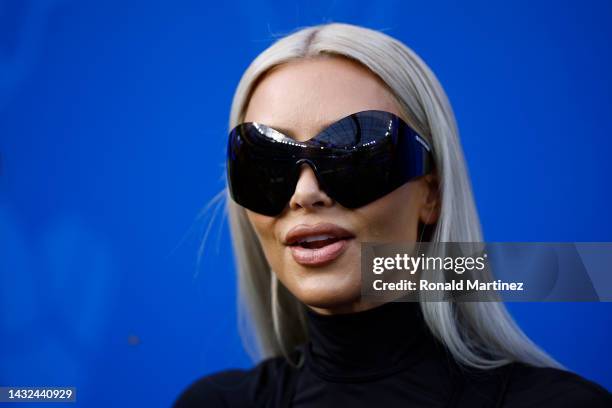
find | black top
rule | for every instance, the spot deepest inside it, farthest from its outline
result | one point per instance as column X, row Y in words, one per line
column 386, row 357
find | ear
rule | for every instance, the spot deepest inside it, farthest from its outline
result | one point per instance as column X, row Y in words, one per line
column 430, row 206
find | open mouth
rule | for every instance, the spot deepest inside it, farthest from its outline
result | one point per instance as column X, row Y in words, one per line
column 319, row 250
column 316, row 242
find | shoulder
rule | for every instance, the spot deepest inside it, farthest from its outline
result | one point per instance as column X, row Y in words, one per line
column 236, row 387
column 544, row 386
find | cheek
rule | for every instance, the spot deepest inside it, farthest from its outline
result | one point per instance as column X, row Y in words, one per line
column 394, row 217
column 264, row 228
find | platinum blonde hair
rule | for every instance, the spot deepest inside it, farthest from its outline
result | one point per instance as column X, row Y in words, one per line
column 271, row 320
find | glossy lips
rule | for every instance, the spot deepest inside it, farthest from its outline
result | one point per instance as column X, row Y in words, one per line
column 318, row 244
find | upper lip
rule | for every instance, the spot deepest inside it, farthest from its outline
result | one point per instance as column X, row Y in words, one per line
column 301, row 231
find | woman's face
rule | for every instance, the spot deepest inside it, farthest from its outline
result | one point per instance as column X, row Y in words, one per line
column 300, row 99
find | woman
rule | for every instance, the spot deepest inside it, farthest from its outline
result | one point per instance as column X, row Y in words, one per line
column 298, row 213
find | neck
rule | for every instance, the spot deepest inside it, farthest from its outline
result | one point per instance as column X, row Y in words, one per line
column 366, row 343
column 358, row 306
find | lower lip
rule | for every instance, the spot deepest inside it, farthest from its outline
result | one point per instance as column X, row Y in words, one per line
column 319, row 256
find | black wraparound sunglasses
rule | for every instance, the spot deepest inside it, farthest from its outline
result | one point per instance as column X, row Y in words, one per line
column 358, row 159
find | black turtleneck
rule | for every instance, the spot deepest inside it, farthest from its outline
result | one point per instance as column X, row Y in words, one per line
column 386, row 357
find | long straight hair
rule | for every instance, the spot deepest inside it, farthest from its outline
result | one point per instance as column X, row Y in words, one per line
column 271, row 319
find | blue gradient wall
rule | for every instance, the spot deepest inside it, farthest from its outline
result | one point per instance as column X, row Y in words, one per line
column 113, row 119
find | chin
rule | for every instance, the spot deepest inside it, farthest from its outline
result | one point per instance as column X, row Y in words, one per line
column 327, row 292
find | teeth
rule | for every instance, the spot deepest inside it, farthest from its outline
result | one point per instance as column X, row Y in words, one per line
column 316, row 238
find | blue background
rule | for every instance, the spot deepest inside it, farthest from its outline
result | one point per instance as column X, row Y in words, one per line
column 113, row 119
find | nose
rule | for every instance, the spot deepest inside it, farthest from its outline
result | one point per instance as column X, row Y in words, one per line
column 308, row 194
